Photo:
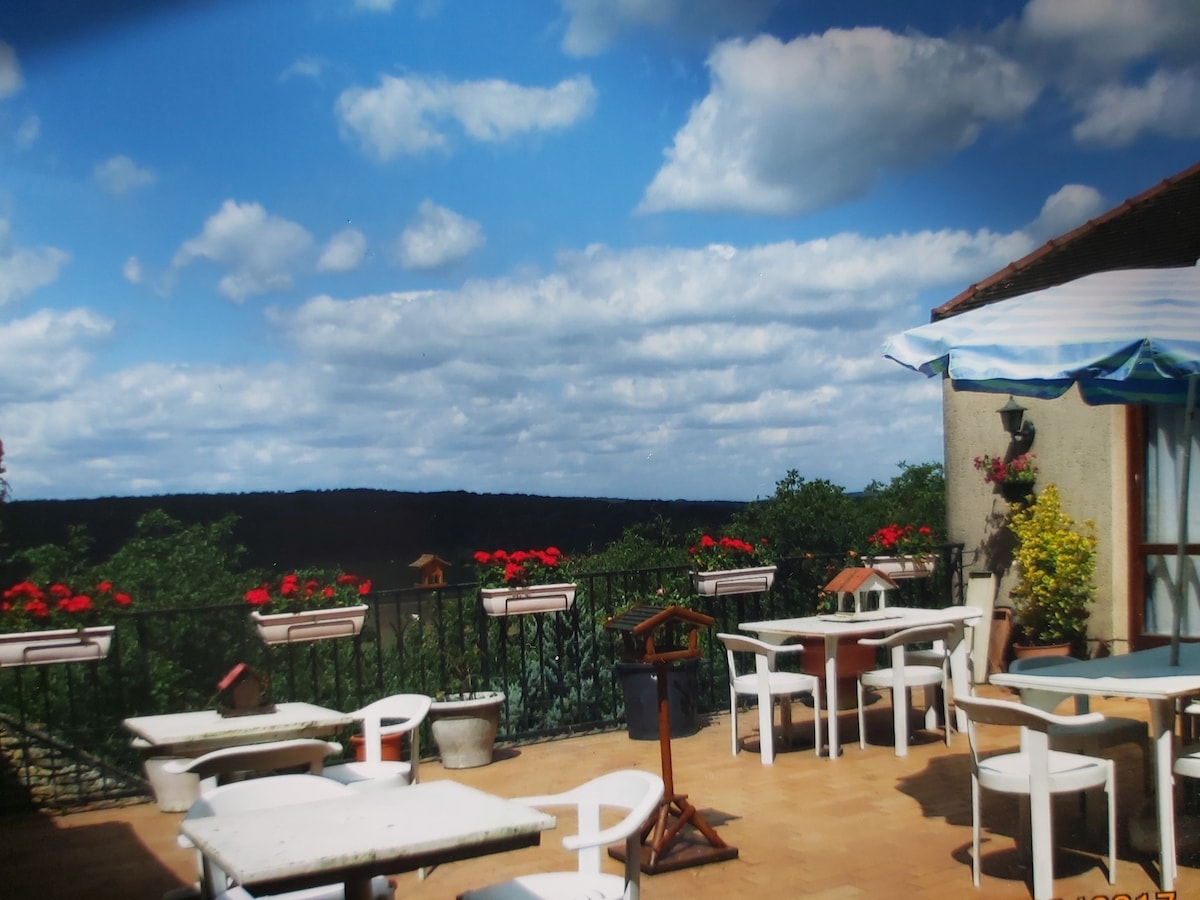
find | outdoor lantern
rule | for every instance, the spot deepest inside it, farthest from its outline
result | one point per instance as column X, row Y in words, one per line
column 1012, row 417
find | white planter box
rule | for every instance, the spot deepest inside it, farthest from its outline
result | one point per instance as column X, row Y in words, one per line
column 733, row 581
column 899, row 567
column 38, row 648
column 537, row 598
column 313, row 625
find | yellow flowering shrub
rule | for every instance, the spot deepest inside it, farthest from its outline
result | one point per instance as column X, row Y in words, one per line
column 1056, row 559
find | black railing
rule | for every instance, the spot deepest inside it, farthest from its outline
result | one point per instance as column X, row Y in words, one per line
column 62, row 744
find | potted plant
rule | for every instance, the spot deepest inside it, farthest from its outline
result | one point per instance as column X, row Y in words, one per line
column 57, row 623
column 902, row 551
column 730, row 565
column 465, row 720
column 307, row 605
column 1013, row 478
column 1056, row 559
column 523, row 581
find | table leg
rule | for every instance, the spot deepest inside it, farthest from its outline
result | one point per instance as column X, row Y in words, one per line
column 899, row 702
column 831, row 697
column 358, row 888
column 1162, row 723
column 960, row 675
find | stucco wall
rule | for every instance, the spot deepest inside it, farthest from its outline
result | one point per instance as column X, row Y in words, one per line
column 1080, row 449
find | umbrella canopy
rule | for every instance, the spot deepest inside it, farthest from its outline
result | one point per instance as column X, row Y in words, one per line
column 1126, row 336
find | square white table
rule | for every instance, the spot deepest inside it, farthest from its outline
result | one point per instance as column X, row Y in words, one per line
column 1146, row 675
column 830, row 632
column 187, row 733
column 351, row 838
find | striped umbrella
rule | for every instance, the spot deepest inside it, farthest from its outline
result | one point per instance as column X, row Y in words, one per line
column 1126, row 336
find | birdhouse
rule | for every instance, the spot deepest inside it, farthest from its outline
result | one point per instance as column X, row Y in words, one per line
column 431, row 571
column 861, row 593
column 239, row 693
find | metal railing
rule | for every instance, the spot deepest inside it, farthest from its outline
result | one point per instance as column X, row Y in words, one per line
column 62, row 745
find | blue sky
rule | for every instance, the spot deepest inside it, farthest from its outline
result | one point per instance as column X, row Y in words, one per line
column 643, row 249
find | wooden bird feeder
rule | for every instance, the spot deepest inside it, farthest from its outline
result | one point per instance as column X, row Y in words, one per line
column 862, row 593
column 651, row 635
column 239, row 693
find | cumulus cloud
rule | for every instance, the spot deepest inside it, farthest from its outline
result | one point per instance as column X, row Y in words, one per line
column 10, row 71
column 1166, row 104
column 118, row 174
column 1066, row 209
column 344, row 251
column 257, row 250
column 43, row 355
column 24, row 269
column 437, row 238
column 593, row 25
column 797, row 127
column 405, row 116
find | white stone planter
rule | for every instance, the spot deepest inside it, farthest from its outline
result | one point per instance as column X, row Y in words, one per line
column 899, row 567
column 537, row 598
column 38, row 648
column 733, row 581
column 312, row 625
column 464, row 727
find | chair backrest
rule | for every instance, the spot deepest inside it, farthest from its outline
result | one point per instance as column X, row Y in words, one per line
column 636, row 791
column 257, row 759
column 262, row 793
column 1047, row 701
column 407, row 711
column 765, row 653
column 918, row 634
column 1033, row 722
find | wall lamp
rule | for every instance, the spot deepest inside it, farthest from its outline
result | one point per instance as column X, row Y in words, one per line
column 1012, row 417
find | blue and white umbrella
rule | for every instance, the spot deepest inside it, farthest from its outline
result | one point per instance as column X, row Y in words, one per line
column 1125, row 336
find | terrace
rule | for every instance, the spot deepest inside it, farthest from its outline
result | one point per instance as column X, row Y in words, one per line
column 867, row 824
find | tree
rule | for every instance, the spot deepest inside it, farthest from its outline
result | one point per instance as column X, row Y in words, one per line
column 917, row 495
column 804, row 517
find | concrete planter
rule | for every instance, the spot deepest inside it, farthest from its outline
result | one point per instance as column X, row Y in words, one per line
column 464, row 727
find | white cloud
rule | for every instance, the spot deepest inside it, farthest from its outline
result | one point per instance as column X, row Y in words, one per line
column 1167, row 104
column 28, row 131
column 403, row 116
column 344, row 251
column 1067, row 209
column 42, row 355
column 593, row 25
column 375, row 5
column 1108, row 35
column 132, row 270
column 305, row 67
column 437, row 238
column 801, row 126
column 10, row 71
column 23, row 270
column 120, row 173
column 258, row 251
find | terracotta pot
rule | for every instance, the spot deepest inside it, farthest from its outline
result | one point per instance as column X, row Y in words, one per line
column 852, row 660
column 1021, row 651
column 391, row 747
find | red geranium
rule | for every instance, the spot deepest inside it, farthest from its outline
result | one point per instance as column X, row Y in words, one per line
column 711, row 554
column 299, row 591
column 900, row 540
column 502, row 568
column 27, row 606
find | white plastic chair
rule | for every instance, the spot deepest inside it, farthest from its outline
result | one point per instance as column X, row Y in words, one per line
column 229, row 763
column 260, row 793
column 1090, row 740
column 633, row 790
column 902, row 675
column 766, row 684
column 406, row 712
column 1037, row 772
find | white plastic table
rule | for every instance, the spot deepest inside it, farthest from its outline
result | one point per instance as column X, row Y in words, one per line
column 1146, row 675
column 351, row 838
column 187, row 733
column 831, row 631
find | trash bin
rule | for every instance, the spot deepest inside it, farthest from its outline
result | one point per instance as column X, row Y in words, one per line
column 639, row 684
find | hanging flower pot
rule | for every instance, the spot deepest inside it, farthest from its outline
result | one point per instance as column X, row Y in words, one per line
column 38, row 648
column 1017, row 491
column 308, row 606
column 733, row 581
column 312, row 625
column 534, row 598
column 898, row 567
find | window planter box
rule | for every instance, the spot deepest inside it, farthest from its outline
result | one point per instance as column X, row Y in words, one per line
column 536, row 598
column 733, row 581
column 37, row 648
column 312, row 625
column 899, row 567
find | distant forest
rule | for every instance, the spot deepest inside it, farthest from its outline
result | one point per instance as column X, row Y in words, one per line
column 374, row 533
